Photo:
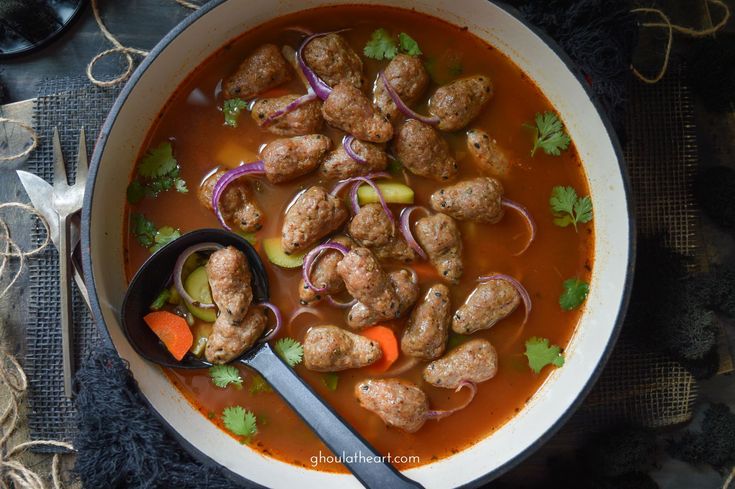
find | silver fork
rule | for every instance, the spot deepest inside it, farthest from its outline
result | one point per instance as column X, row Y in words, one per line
column 67, row 200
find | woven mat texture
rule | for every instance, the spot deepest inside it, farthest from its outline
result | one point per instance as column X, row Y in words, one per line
column 661, row 156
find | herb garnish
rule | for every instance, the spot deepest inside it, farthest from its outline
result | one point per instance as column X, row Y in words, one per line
column 232, row 109
column 540, row 354
column 259, row 384
column 224, row 375
column 383, row 46
column 331, row 380
column 147, row 234
column 549, row 134
column 158, row 171
column 290, row 351
column 575, row 292
column 240, row 421
column 568, row 208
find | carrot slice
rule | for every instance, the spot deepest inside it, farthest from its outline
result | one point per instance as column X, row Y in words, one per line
column 388, row 343
column 172, row 330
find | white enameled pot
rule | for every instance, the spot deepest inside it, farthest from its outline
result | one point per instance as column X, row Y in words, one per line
column 199, row 36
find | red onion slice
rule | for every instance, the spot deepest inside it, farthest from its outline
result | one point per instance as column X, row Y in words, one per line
column 347, row 145
column 341, row 305
column 405, row 227
column 526, row 216
column 256, row 168
column 311, row 257
column 289, row 108
column 320, row 86
column 279, row 320
column 405, row 109
column 443, row 413
column 343, row 183
column 303, row 310
column 516, row 285
column 404, row 367
column 356, row 201
column 179, row 268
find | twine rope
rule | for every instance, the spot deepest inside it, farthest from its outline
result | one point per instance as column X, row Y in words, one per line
column 118, row 48
column 13, row 473
column 29, row 149
column 671, row 28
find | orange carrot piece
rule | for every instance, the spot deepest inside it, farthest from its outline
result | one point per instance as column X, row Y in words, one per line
column 172, row 330
column 388, row 343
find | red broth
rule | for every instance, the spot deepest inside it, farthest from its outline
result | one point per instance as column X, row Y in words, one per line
column 191, row 119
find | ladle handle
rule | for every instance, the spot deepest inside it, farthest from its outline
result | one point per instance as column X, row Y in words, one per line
column 341, row 439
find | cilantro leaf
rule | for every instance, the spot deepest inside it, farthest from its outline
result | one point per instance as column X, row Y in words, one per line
column 158, row 162
column 163, row 237
column 259, row 385
column 575, row 292
column 380, row 46
column 331, row 380
column 549, row 134
column 135, row 192
column 240, row 421
column 224, row 375
column 408, row 45
column 540, row 354
column 147, row 234
column 290, row 350
column 232, row 109
column 158, row 171
column 568, row 208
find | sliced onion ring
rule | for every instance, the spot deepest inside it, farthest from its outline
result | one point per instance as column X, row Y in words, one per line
column 437, row 414
column 303, row 310
column 526, row 216
column 179, row 268
column 311, row 257
column 289, row 108
column 343, row 183
column 347, row 145
column 341, row 305
column 279, row 320
column 516, row 285
column 319, row 86
column 405, row 109
column 404, row 367
column 356, row 201
column 256, row 168
column 405, row 227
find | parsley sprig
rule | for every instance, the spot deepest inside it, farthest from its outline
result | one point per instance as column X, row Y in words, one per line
column 384, row 46
column 541, row 354
column 240, row 421
column 158, row 171
column 574, row 294
column 224, row 375
column 147, row 234
column 568, row 208
column 290, row 351
column 549, row 134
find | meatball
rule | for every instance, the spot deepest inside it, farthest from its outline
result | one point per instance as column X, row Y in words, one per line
column 424, row 151
column 457, row 103
column 475, row 361
column 237, row 203
column 405, row 287
column 372, row 228
column 367, row 282
column 485, row 150
column 339, row 165
column 324, row 274
column 487, row 304
column 439, row 236
column 313, row 215
column 306, row 119
column 334, row 60
column 235, row 329
column 397, row 402
column 264, row 69
column 347, row 108
column 427, row 331
column 289, row 158
column 331, row 349
column 408, row 77
column 478, row 200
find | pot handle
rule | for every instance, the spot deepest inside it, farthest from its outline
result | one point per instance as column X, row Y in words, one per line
column 367, row 465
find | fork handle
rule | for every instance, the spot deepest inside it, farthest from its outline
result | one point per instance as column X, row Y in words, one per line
column 67, row 347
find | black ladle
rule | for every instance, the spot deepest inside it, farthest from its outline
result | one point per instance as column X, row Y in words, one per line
column 341, row 439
